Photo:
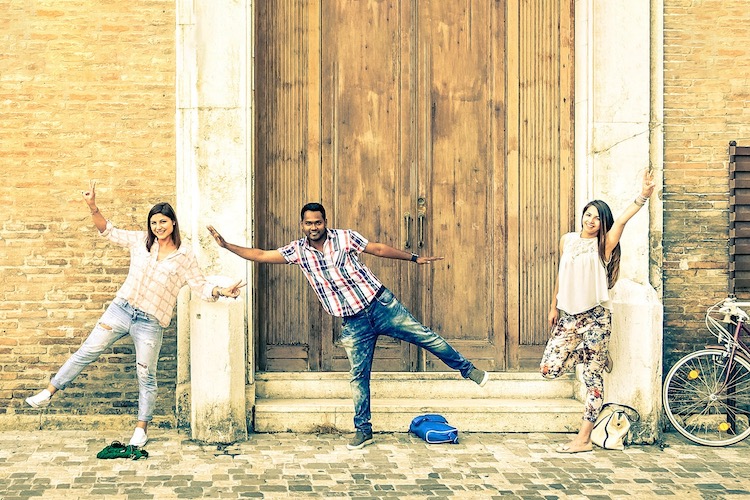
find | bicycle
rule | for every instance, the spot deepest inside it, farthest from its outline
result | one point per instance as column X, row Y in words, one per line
column 707, row 393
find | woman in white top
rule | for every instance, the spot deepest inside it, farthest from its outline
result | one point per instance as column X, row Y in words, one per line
column 580, row 313
column 159, row 266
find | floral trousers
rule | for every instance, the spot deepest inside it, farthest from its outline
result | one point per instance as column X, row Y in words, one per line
column 581, row 338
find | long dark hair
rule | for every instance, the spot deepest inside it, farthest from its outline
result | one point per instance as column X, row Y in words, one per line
column 164, row 209
column 606, row 221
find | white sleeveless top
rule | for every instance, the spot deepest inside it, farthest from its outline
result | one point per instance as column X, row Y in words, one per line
column 582, row 277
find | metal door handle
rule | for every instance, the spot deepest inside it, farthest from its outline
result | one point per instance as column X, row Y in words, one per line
column 420, row 229
column 407, row 226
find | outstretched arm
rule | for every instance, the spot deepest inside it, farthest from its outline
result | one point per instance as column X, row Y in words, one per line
column 252, row 254
column 615, row 232
column 388, row 252
column 90, row 198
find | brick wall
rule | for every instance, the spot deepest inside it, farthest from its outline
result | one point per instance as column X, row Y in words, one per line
column 707, row 104
column 86, row 92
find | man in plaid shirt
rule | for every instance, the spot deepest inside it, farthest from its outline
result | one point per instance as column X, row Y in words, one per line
column 329, row 258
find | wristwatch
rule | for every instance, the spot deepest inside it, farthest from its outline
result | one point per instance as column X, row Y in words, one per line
column 414, row 257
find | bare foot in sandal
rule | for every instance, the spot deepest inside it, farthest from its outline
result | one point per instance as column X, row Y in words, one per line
column 574, row 447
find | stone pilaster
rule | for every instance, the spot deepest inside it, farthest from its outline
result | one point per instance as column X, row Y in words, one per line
column 618, row 68
column 214, row 186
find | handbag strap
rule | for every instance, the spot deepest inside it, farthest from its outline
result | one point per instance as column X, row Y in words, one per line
column 627, row 409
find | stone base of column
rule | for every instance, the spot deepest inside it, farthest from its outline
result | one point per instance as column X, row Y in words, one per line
column 217, row 371
column 636, row 349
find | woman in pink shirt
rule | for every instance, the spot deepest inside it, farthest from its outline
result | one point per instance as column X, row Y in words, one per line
column 159, row 267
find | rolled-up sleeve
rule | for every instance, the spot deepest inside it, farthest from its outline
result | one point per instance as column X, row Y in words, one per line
column 290, row 252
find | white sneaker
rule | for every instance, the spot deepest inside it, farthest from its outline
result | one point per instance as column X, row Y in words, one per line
column 39, row 400
column 139, row 437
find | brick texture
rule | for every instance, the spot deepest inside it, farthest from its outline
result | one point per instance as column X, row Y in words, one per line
column 707, row 104
column 86, row 92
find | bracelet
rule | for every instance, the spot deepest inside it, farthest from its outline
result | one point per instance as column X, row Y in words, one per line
column 640, row 200
column 95, row 211
column 414, row 257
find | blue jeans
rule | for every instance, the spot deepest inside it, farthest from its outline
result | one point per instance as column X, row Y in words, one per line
column 387, row 316
column 118, row 320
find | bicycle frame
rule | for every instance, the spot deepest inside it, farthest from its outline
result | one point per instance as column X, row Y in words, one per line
column 737, row 343
column 733, row 314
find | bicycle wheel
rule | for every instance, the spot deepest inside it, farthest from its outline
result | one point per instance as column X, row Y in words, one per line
column 701, row 406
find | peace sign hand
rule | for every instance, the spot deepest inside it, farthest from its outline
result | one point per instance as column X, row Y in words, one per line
column 648, row 185
column 233, row 291
column 90, row 195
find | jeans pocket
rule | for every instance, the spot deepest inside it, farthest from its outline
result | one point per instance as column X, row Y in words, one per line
column 385, row 298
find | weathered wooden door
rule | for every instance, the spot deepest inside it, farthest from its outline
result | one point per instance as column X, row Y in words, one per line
column 459, row 201
column 393, row 114
column 367, row 136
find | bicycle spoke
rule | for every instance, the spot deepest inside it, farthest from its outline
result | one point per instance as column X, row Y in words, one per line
column 706, row 405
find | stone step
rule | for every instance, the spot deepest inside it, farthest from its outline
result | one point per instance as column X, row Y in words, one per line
column 510, row 402
column 425, row 385
column 395, row 415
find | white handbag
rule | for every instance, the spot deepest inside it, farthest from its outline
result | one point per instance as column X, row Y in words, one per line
column 612, row 426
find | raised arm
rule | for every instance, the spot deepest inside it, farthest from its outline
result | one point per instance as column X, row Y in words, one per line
column 252, row 254
column 615, row 232
column 90, row 198
column 388, row 252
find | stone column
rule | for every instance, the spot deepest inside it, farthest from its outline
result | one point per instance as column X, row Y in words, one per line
column 618, row 83
column 214, row 186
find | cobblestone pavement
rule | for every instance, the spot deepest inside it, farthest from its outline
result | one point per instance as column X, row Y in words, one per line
column 63, row 464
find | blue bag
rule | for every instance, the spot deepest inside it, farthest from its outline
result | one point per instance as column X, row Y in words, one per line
column 434, row 428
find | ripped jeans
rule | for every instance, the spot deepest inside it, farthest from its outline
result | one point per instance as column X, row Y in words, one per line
column 118, row 320
column 387, row 316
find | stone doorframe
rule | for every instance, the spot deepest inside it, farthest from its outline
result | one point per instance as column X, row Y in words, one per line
column 618, row 116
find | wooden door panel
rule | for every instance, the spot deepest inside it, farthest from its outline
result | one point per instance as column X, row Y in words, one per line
column 365, row 170
column 458, row 169
column 288, row 315
column 540, row 166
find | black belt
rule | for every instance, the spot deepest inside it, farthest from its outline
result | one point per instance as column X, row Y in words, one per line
column 378, row 293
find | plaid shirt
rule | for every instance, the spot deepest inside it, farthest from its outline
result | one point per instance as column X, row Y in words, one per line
column 152, row 286
column 343, row 284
